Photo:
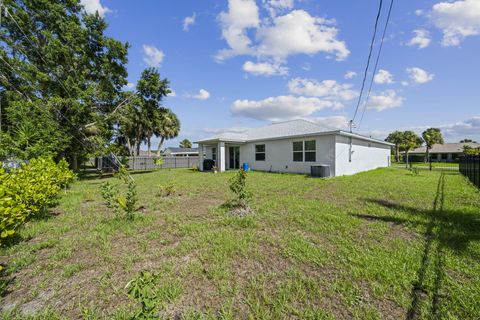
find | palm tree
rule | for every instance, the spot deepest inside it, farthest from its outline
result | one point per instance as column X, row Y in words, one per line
column 167, row 127
column 185, row 143
column 431, row 136
column 396, row 138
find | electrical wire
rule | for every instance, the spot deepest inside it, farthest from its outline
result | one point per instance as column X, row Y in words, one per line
column 368, row 60
column 376, row 65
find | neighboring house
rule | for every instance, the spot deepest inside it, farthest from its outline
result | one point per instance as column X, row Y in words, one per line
column 295, row 146
column 180, row 152
column 443, row 152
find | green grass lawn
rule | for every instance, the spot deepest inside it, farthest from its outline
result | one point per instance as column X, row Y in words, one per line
column 384, row 244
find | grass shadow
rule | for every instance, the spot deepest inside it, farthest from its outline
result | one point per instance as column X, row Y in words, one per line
column 454, row 229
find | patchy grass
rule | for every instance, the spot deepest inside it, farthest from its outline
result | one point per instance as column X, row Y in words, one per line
column 384, row 244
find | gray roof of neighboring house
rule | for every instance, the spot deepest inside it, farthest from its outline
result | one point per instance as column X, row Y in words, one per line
column 293, row 128
column 446, row 148
column 181, row 150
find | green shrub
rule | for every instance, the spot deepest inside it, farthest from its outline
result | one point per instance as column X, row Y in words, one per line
column 238, row 187
column 30, row 190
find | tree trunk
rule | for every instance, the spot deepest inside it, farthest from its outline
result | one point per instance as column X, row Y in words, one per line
column 406, row 157
column 139, row 143
column 149, row 146
column 397, row 153
column 74, row 162
column 160, row 145
column 427, row 159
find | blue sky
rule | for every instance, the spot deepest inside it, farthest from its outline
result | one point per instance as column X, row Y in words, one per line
column 245, row 63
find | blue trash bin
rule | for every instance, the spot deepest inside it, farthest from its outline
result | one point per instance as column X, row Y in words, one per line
column 245, row 166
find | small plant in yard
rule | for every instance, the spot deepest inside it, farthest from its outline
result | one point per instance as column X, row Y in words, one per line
column 158, row 162
column 110, row 195
column 152, row 294
column 238, row 184
column 143, row 290
column 166, row 190
column 116, row 201
column 128, row 202
column 414, row 171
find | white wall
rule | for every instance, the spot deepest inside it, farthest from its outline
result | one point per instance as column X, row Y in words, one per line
column 279, row 155
column 366, row 156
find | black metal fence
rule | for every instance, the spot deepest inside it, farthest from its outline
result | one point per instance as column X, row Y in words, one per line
column 417, row 162
column 470, row 167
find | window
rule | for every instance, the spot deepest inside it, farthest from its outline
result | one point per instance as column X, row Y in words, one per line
column 259, row 152
column 304, row 151
column 298, row 151
column 214, row 154
column 310, row 151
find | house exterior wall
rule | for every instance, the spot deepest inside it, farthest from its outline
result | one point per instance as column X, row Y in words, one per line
column 279, row 155
column 365, row 155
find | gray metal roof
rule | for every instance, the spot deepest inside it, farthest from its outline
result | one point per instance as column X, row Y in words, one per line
column 445, row 148
column 287, row 129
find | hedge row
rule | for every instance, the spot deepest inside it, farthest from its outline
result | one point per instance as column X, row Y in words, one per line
column 28, row 191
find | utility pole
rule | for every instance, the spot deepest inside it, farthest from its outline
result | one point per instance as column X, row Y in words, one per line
column 350, row 151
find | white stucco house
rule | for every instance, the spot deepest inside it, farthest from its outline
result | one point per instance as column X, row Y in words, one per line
column 295, row 146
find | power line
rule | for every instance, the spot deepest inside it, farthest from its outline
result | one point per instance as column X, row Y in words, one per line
column 368, row 63
column 376, row 65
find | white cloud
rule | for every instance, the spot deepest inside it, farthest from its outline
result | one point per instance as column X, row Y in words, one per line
column 189, row 21
column 153, row 57
column 419, row 75
column 241, row 15
column 265, row 68
column 383, row 77
column 278, row 37
column 172, row 93
column 385, row 100
column 202, row 95
column 279, row 108
column 421, row 38
column 469, row 128
column 328, row 89
column 299, row 33
column 418, row 12
column 457, row 20
column 92, row 6
column 275, row 7
column 350, row 75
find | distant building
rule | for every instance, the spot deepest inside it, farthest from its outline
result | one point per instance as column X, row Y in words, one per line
column 180, row 152
column 444, row 152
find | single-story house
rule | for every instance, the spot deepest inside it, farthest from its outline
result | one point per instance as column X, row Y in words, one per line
column 295, row 146
column 181, row 152
column 443, row 152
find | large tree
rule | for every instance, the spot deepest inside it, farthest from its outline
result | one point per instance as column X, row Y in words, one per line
column 410, row 140
column 431, row 136
column 396, row 138
column 56, row 59
column 151, row 89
